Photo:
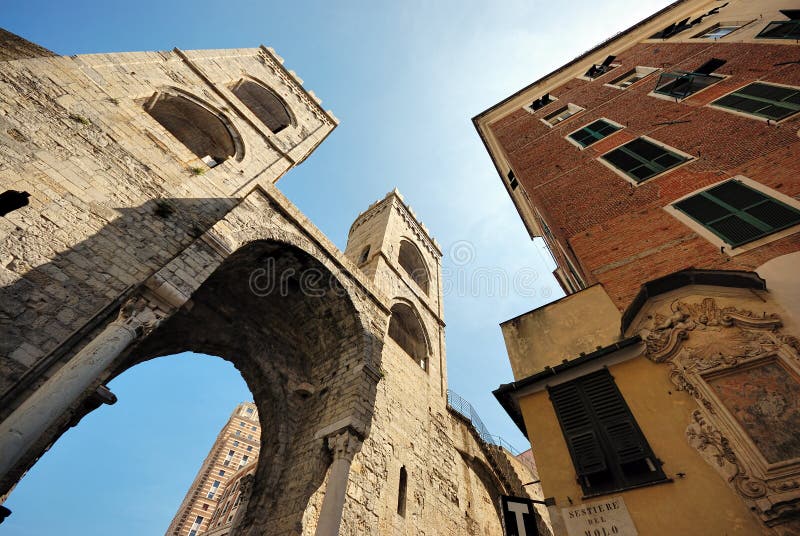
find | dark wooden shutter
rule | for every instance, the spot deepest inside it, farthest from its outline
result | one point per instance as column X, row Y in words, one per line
column 614, row 417
column 579, row 430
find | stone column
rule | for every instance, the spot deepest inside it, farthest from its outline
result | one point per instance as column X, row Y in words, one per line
column 344, row 445
column 60, row 392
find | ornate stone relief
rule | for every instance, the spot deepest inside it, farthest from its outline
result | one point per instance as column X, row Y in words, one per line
column 743, row 373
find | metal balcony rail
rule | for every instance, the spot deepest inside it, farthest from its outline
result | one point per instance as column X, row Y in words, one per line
column 465, row 409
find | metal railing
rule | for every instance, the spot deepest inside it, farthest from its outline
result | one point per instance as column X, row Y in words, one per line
column 465, row 409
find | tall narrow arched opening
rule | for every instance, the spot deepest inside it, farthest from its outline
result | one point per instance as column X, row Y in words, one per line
column 413, row 263
column 204, row 132
column 264, row 103
column 405, row 328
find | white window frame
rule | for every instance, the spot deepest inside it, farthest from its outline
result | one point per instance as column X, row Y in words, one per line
column 639, row 69
column 606, row 119
column 573, row 108
column 751, row 116
column 530, row 110
column 722, row 24
column 701, row 230
column 609, row 165
column 670, row 98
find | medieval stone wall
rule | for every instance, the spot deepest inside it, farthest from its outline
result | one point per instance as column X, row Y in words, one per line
column 113, row 196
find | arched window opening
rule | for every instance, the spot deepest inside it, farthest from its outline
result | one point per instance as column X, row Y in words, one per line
column 264, row 103
column 364, row 256
column 200, row 130
column 412, row 262
column 406, row 330
column 401, row 492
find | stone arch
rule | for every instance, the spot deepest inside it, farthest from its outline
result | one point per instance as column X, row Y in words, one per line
column 412, row 261
column 201, row 128
column 265, row 104
column 305, row 352
column 408, row 331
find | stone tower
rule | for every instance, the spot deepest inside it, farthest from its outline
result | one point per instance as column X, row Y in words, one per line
column 139, row 218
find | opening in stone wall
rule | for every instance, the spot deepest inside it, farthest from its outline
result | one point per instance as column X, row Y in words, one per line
column 154, row 456
column 264, row 103
column 195, row 126
column 412, row 262
column 407, row 331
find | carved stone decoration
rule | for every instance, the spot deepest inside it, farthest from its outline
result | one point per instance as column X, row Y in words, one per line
column 743, row 373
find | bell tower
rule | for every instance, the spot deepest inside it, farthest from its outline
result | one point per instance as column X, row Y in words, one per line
column 394, row 249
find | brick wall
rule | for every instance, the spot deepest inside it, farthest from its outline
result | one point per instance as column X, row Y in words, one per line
column 620, row 232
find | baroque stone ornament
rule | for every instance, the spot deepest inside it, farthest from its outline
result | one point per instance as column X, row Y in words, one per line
column 742, row 372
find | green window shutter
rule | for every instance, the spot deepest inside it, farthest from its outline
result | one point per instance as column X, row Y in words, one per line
column 763, row 100
column 783, row 29
column 737, row 213
column 593, row 132
column 641, row 159
column 579, row 430
column 614, row 417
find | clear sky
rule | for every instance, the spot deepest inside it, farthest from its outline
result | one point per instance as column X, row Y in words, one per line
column 404, row 78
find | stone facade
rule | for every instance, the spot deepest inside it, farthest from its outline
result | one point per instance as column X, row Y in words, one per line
column 154, row 227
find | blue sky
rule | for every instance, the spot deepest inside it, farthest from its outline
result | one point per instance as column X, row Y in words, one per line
column 404, row 78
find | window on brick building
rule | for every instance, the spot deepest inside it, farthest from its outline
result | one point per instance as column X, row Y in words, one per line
column 783, row 29
column 737, row 213
column 221, row 472
column 608, row 449
column 763, row 100
column 253, row 428
column 249, row 448
column 629, row 78
column 594, row 132
column 249, row 411
column 641, row 159
column 596, row 70
column 541, row 102
column 682, row 84
column 720, row 30
column 512, row 180
column 228, row 458
column 561, row 114
column 243, row 461
column 213, row 490
column 235, row 443
column 195, row 526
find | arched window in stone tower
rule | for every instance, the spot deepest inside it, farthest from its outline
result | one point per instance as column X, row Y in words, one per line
column 412, row 262
column 406, row 330
column 264, row 103
column 198, row 128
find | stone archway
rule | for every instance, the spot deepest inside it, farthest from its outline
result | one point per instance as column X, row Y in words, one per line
column 285, row 321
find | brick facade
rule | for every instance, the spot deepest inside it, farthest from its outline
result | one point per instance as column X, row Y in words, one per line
column 619, row 232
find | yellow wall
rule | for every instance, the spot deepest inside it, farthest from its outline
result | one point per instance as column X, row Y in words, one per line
column 699, row 504
column 561, row 330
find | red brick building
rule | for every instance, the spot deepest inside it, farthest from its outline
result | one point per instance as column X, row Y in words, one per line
column 662, row 169
column 604, row 226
